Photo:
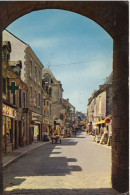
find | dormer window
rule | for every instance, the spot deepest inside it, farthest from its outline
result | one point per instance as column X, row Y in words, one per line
column 6, row 50
column 16, row 67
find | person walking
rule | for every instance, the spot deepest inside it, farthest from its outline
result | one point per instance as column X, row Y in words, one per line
column 74, row 131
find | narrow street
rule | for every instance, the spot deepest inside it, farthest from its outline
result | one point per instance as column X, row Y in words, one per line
column 76, row 166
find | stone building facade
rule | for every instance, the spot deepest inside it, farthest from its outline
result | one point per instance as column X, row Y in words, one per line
column 56, row 94
column 15, row 92
column 116, row 13
column 48, row 121
column 100, row 105
column 68, row 113
column 90, row 112
column 31, row 75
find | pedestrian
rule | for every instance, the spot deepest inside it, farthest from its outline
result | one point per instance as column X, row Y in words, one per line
column 74, row 132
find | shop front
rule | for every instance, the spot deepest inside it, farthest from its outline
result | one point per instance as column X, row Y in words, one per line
column 46, row 126
column 9, row 115
column 35, row 127
column 104, row 129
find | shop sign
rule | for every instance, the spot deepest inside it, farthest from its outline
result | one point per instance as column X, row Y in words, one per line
column 8, row 111
column 36, row 117
column 13, row 88
column 32, row 101
column 46, row 107
column 107, row 120
column 32, row 123
column 25, row 110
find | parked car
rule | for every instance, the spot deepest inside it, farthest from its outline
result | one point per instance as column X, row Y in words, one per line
column 45, row 138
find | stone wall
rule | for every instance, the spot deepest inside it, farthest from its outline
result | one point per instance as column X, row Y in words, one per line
column 113, row 17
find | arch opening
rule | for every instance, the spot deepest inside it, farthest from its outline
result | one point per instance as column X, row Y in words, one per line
column 118, row 30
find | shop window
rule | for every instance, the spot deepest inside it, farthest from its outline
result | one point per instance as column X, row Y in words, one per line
column 7, row 130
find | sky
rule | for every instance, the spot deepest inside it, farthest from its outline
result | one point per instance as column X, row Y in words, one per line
column 78, row 51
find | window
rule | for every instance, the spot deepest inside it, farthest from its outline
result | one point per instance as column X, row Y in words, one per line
column 31, row 68
column 35, row 73
column 100, row 105
column 24, row 100
column 4, row 53
column 8, row 91
column 20, row 98
column 31, row 92
column 39, row 99
column 4, row 85
column 8, row 58
column 39, row 77
column 35, row 97
column 50, row 109
column 14, row 100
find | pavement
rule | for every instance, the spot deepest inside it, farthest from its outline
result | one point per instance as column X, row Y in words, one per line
column 17, row 153
column 77, row 166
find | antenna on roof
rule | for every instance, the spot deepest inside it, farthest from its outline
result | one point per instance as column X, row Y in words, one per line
column 49, row 65
column 49, row 62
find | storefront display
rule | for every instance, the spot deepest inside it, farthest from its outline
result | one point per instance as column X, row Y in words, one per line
column 8, row 115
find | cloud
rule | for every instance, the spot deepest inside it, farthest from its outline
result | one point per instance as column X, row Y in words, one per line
column 44, row 43
column 79, row 83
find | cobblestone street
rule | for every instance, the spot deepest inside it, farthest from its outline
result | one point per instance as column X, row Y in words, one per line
column 76, row 166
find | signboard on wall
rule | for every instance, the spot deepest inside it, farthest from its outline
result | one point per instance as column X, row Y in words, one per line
column 8, row 111
column 32, row 101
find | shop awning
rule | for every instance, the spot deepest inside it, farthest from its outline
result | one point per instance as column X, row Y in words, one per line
column 99, row 122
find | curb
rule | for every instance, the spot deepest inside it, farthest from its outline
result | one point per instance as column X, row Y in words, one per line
column 105, row 146
column 22, row 154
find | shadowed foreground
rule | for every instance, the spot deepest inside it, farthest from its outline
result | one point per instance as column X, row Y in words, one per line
column 76, row 166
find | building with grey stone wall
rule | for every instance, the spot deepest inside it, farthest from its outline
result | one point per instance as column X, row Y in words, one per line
column 56, row 94
column 100, row 105
column 15, row 93
column 31, row 74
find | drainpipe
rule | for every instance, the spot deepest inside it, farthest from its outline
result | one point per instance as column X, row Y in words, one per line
column 1, row 121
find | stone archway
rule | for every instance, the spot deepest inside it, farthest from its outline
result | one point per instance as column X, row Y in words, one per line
column 113, row 17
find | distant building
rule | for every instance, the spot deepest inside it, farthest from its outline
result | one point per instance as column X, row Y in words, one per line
column 56, row 89
column 47, row 81
column 68, row 113
column 100, row 106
